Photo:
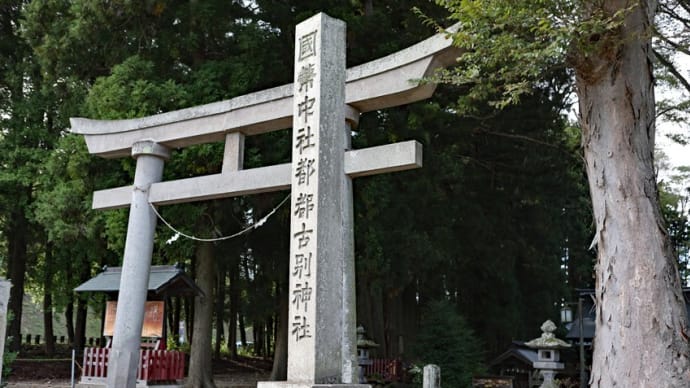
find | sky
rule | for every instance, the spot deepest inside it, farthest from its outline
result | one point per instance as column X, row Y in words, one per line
column 679, row 155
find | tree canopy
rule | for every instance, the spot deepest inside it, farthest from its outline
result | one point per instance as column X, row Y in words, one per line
column 496, row 225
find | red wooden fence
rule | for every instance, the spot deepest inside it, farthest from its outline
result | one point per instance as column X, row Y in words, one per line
column 95, row 362
column 157, row 365
column 387, row 369
column 154, row 365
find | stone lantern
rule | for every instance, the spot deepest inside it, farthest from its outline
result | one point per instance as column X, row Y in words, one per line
column 363, row 346
column 548, row 355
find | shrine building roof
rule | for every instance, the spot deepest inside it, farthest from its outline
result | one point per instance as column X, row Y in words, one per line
column 164, row 280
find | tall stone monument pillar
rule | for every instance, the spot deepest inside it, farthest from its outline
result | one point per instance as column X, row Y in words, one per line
column 5, row 286
column 316, row 248
column 136, row 264
column 322, row 307
column 350, row 373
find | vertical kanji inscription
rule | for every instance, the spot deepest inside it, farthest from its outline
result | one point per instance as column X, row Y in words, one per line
column 317, row 171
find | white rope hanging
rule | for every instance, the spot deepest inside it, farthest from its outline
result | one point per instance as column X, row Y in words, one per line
column 247, row 229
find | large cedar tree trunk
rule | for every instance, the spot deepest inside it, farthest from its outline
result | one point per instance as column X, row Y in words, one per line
column 48, row 332
column 80, row 325
column 177, row 317
column 234, row 309
column 243, row 329
column 69, row 320
column 279, row 371
column 220, row 309
column 200, row 372
column 48, row 302
column 82, row 306
column 641, row 319
column 17, row 249
column 69, row 308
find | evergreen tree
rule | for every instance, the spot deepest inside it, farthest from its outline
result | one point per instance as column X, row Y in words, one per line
column 445, row 339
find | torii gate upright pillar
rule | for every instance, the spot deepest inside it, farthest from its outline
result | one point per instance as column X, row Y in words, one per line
column 124, row 356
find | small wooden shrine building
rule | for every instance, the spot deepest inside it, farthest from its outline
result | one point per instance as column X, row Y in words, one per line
column 157, row 366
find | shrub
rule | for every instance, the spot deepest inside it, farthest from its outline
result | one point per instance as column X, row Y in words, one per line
column 445, row 339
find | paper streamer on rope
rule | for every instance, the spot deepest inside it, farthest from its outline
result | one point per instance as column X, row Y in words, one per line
column 247, row 229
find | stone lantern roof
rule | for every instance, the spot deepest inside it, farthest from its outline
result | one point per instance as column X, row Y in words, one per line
column 362, row 341
column 547, row 340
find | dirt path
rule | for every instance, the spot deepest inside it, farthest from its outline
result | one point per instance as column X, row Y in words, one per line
column 56, row 373
column 239, row 380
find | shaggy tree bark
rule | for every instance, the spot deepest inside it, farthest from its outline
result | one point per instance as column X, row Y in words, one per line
column 641, row 319
column 200, row 371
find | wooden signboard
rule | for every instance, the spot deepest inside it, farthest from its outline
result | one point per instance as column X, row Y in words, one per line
column 153, row 319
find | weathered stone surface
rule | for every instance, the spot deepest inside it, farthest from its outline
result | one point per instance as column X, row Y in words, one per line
column 136, row 264
column 316, row 245
column 233, row 155
column 5, row 286
column 432, row 376
column 548, row 365
column 548, row 339
column 348, row 309
column 368, row 161
column 382, row 83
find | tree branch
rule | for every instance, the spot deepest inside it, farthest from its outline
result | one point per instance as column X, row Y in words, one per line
column 673, row 44
column 520, row 137
column 672, row 69
column 664, row 8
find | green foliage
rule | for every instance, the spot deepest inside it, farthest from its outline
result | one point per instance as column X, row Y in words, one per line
column 501, row 201
column 508, row 45
column 133, row 90
column 7, row 359
column 8, row 355
column 445, row 339
column 76, row 233
column 28, row 131
column 242, row 351
column 173, row 343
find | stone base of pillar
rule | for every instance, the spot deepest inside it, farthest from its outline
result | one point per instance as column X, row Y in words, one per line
column 287, row 384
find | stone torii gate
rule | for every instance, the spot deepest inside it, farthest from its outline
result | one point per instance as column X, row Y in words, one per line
column 321, row 106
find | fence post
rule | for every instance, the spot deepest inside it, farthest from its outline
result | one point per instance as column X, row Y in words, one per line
column 432, row 376
column 74, row 354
